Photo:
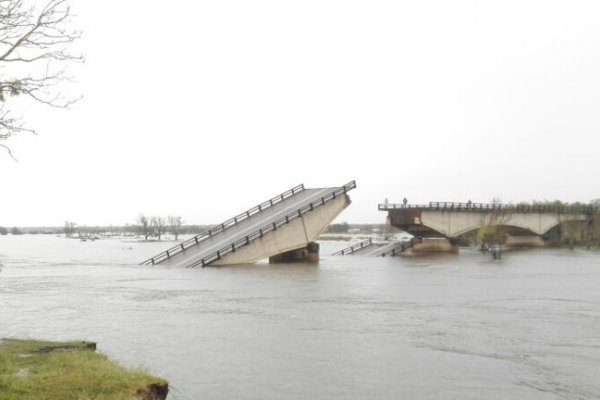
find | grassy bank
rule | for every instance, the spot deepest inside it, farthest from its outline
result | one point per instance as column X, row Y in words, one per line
column 41, row 370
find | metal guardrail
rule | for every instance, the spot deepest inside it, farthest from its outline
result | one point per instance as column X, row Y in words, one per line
column 183, row 246
column 217, row 255
column 402, row 247
column 453, row 206
column 352, row 249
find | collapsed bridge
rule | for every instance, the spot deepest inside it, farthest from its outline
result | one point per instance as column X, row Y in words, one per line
column 282, row 228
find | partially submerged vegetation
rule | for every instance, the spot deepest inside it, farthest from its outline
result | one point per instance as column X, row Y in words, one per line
column 31, row 369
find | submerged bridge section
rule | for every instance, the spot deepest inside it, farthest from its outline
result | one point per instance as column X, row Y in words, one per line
column 450, row 220
column 282, row 224
column 374, row 249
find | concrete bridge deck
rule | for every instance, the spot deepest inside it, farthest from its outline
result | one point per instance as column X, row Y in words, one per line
column 292, row 212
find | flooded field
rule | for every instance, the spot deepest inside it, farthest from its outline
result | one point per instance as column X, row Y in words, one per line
column 429, row 327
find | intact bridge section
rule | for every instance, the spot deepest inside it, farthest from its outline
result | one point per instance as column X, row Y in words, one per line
column 451, row 220
column 282, row 228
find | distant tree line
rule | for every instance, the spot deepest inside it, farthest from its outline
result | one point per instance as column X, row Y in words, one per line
column 558, row 204
column 156, row 226
column 345, row 227
column 148, row 227
column 13, row 231
column 338, row 228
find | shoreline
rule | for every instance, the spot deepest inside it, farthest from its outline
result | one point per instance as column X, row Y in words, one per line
column 73, row 369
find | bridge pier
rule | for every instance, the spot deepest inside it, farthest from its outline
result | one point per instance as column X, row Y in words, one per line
column 524, row 241
column 435, row 245
column 309, row 254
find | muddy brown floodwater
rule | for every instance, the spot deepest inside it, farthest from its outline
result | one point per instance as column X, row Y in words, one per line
column 430, row 327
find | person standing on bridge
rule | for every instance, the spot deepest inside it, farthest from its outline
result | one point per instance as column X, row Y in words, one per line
column 404, row 201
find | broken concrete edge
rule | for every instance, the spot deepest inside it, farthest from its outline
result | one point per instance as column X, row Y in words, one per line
column 154, row 391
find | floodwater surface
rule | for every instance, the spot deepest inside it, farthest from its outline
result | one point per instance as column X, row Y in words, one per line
column 429, row 327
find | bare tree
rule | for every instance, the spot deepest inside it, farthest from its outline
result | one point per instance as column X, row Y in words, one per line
column 158, row 226
column 492, row 234
column 69, row 228
column 174, row 225
column 34, row 38
column 144, row 227
column 595, row 222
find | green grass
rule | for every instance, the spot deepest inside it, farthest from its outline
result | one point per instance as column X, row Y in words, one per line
column 39, row 370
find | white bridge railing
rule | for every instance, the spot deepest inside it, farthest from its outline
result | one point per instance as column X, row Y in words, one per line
column 486, row 207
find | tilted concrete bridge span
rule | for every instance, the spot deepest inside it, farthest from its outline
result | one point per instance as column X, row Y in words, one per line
column 450, row 220
column 282, row 228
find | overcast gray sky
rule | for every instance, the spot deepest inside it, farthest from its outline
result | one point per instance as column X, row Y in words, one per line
column 206, row 108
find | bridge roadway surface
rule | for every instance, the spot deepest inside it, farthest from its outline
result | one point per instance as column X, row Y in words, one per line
column 250, row 225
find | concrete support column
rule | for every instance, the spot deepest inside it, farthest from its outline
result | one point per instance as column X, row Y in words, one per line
column 310, row 254
column 429, row 245
column 525, row 241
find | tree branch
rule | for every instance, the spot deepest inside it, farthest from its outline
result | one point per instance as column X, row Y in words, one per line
column 34, row 39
